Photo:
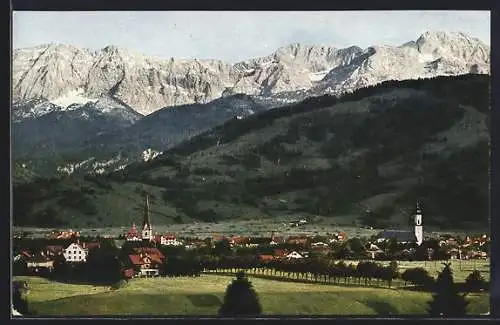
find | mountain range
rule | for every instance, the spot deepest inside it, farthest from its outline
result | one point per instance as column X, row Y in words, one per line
column 93, row 111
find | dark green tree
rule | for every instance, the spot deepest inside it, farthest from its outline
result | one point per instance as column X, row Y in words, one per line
column 447, row 301
column 475, row 281
column 240, row 298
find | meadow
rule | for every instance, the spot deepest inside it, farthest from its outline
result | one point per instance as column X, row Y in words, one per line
column 203, row 296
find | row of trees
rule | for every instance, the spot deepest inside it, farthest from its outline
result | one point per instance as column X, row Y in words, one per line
column 242, row 300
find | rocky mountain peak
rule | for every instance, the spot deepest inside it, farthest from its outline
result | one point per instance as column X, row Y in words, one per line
column 147, row 84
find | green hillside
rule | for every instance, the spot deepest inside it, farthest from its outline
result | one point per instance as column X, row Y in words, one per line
column 368, row 155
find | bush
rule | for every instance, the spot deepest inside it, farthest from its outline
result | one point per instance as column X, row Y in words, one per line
column 475, row 282
column 418, row 277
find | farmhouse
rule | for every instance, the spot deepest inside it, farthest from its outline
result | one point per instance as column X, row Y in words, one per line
column 147, row 261
column 75, row 253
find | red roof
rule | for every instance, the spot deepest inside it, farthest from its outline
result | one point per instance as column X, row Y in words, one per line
column 135, row 259
column 155, row 259
column 266, row 257
column 133, row 231
column 149, row 251
column 280, row 252
column 240, row 239
column 25, row 253
column 92, row 245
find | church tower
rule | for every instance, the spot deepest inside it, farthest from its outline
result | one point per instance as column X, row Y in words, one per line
column 419, row 232
column 147, row 230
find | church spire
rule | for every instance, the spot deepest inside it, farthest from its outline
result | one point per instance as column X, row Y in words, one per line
column 147, row 230
column 147, row 221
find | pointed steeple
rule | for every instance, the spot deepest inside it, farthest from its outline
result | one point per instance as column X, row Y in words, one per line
column 146, row 221
column 147, row 230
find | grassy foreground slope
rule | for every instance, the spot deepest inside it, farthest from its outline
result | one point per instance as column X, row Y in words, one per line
column 368, row 155
column 203, row 295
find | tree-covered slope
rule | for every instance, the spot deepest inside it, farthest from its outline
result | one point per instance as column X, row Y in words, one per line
column 367, row 156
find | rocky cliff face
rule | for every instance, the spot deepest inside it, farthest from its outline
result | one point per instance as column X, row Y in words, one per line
column 64, row 74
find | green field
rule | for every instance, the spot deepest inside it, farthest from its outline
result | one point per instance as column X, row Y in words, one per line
column 203, row 295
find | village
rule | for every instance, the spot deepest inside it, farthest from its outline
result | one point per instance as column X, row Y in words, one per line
column 144, row 253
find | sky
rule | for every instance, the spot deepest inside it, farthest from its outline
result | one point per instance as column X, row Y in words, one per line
column 236, row 35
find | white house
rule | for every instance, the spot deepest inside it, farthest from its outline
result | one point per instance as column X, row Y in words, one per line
column 294, row 254
column 75, row 253
column 170, row 241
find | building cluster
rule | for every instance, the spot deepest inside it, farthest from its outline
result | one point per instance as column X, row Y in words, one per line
column 146, row 258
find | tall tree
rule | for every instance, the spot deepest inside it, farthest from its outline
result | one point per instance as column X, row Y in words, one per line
column 240, row 299
column 446, row 300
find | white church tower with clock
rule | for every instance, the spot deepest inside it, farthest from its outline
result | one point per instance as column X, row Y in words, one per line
column 419, row 232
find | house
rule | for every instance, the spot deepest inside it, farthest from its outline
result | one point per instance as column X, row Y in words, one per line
column 280, row 253
column 40, row 262
column 149, row 250
column 75, row 253
column 170, row 240
column 297, row 240
column 266, row 258
column 477, row 254
column 24, row 255
column 217, row 238
column 91, row 245
column 275, row 240
column 341, row 236
column 374, row 250
column 65, row 234
column 239, row 241
column 133, row 234
column 147, row 261
column 338, row 236
column 454, row 253
column 295, row 255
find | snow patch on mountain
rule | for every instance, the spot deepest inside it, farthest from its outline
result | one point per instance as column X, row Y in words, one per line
column 73, row 97
column 150, row 154
column 69, row 169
